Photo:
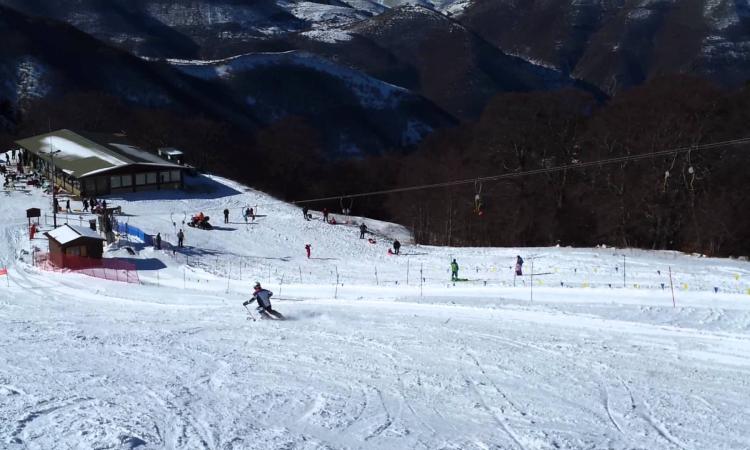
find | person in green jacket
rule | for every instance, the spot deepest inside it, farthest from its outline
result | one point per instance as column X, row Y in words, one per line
column 454, row 270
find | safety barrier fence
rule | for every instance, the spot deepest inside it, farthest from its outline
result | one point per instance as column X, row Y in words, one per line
column 113, row 269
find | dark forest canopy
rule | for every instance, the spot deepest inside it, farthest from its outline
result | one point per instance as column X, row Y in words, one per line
column 702, row 206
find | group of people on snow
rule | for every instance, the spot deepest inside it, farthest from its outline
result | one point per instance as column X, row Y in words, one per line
column 454, row 267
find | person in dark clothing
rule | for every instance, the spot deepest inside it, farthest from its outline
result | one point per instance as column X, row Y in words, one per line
column 226, row 215
column 519, row 265
column 67, row 205
column 158, row 241
column 454, row 270
column 307, row 249
column 104, row 206
column 180, row 238
column 85, row 205
column 362, row 231
column 305, row 211
column 396, row 246
column 263, row 297
column 325, row 215
column 56, row 205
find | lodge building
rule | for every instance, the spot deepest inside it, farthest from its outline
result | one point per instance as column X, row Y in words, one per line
column 94, row 164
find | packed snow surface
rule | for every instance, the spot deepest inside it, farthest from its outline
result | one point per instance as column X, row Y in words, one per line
column 393, row 356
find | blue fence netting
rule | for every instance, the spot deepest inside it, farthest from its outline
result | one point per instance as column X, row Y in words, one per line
column 130, row 230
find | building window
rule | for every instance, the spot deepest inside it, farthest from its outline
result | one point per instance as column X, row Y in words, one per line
column 140, row 179
column 127, row 180
column 163, row 177
column 73, row 251
column 114, row 181
column 175, row 175
column 151, row 178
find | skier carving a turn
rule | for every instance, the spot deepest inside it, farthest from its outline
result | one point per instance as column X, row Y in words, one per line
column 263, row 297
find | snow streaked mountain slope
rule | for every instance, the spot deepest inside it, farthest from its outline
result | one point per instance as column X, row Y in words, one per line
column 379, row 361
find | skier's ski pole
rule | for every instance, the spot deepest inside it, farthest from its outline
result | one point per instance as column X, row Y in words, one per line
column 250, row 315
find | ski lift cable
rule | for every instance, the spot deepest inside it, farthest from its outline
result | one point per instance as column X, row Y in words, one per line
column 578, row 165
column 509, row 175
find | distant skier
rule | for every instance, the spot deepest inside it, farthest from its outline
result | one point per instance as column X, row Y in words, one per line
column 519, row 265
column 396, row 246
column 85, row 205
column 252, row 214
column 325, row 215
column 67, row 205
column 158, row 241
column 226, row 215
column 180, row 238
column 263, row 297
column 454, row 270
column 305, row 210
column 362, row 230
column 307, row 249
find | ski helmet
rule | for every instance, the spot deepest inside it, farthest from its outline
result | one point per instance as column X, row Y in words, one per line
column 257, row 285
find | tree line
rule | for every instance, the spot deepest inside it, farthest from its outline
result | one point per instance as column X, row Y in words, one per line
column 693, row 202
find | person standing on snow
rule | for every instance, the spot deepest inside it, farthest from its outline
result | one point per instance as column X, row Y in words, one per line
column 519, row 265
column 325, row 215
column 158, row 241
column 180, row 238
column 396, row 246
column 362, row 230
column 226, row 215
column 307, row 249
column 305, row 209
column 454, row 270
column 263, row 297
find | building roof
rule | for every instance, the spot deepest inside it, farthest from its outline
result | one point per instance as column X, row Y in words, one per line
column 82, row 154
column 69, row 233
column 171, row 151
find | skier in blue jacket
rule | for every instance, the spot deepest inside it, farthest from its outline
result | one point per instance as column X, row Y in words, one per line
column 263, row 297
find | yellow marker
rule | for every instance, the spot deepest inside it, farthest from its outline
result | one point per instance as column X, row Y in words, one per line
column 684, row 286
column 585, row 284
column 737, row 276
column 540, row 282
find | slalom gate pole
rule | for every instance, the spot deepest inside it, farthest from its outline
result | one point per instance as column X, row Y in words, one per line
column 421, row 278
column 532, row 281
column 671, row 286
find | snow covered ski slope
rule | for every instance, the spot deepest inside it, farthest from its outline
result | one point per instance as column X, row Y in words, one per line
column 392, row 356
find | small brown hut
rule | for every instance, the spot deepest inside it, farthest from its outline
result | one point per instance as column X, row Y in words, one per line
column 74, row 247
